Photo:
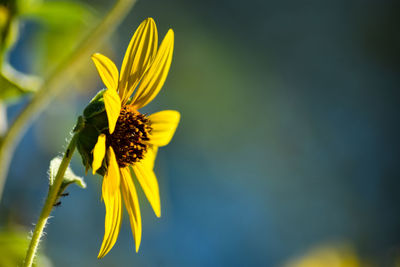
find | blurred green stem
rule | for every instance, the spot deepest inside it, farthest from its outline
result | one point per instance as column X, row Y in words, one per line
column 52, row 84
column 52, row 196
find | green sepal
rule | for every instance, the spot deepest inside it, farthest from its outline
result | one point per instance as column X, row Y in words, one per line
column 80, row 124
column 96, row 105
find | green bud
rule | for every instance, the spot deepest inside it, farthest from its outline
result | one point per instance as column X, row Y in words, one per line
column 89, row 127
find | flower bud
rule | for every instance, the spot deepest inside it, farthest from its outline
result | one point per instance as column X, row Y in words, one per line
column 89, row 127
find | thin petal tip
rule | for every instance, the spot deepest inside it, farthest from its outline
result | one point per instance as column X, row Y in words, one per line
column 150, row 20
column 95, row 56
column 101, row 254
column 170, row 36
column 158, row 212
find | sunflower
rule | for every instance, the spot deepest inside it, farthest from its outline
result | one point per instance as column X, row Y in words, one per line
column 129, row 144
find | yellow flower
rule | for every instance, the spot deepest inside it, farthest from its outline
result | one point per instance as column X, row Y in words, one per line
column 131, row 141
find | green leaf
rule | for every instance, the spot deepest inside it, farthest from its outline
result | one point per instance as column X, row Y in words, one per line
column 69, row 177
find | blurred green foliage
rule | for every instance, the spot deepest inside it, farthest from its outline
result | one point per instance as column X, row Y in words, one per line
column 13, row 244
column 14, row 84
column 62, row 26
column 57, row 28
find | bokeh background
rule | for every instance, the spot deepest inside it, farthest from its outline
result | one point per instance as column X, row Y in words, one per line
column 289, row 138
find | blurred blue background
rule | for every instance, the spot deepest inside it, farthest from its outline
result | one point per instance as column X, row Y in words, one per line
column 289, row 137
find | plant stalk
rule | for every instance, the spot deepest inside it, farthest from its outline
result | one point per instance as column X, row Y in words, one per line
column 52, row 196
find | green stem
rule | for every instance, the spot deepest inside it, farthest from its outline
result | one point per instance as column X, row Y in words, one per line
column 52, row 85
column 49, row 203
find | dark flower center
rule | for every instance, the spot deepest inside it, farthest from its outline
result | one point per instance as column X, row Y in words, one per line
column 129, row 137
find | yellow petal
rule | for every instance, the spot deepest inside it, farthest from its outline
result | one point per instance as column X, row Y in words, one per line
column 99, row 152
column 112, row 171
column 132, row 205
column 112, row 222
column 150, row 157
column 112, row 200
column 163, row 125
column 148, row 182
column 113, row 108
column 138, row 56
column 107, row 70
column 155, row 77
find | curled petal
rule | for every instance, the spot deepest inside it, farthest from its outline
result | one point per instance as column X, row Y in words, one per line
column 132, row 205
column 138, row 56
column 112, row 200
column 154, row 78
column 112, row 222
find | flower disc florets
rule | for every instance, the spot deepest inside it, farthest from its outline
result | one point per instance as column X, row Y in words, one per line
column 129, row 137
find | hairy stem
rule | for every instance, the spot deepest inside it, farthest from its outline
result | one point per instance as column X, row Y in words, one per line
column 51, row 86
column 49, row 203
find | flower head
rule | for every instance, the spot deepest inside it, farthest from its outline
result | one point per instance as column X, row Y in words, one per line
column 116, row 140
